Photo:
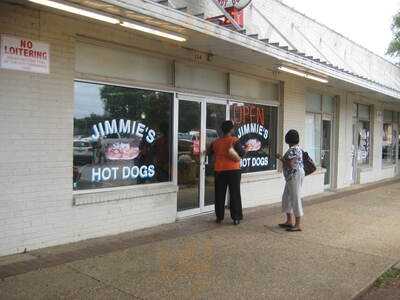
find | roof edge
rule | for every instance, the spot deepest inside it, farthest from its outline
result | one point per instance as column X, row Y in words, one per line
column 336, row 32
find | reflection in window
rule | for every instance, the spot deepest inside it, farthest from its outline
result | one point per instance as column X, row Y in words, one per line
column 122, row 136
column 362, row 134
column 363, row 142
column 189, row 148
column 389, row 137
column 313, row 137
column 256, row 128
column 318, row 148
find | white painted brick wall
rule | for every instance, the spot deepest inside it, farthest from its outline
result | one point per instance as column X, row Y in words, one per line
column 36, row 126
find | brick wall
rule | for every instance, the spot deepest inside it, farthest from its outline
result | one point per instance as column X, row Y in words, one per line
column 36, row 129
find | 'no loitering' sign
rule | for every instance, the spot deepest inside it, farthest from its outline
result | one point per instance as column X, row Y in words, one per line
column 23, row 54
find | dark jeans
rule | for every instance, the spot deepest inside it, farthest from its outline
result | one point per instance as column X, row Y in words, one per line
column 224, row 179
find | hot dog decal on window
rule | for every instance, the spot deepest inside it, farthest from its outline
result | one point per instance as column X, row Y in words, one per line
column 253, row 145
column 121, row 151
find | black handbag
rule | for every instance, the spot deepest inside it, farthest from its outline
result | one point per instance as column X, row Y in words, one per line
column 308, row 163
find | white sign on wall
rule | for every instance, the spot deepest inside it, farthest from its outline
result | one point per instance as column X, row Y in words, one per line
column 24, row 54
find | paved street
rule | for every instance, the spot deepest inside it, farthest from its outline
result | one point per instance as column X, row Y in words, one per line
column 347, row 243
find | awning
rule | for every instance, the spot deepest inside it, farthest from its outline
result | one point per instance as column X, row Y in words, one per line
column 208, row 37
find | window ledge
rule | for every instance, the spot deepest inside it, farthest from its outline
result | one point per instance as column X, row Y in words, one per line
column 365, row 169
column 122, row 193
column 269, row 175
column 260, row 176
column 388, row 166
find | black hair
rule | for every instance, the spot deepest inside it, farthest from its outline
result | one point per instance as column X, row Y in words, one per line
column 226, row 127
column 292, row 137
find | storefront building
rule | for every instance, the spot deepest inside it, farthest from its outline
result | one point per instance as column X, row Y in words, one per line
column 105, row 126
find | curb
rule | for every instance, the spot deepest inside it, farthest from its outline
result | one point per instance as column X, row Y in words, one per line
column 366, row 289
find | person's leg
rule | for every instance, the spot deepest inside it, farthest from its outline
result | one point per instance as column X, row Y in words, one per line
column 235, row 197
column 296, row 200
column 220, row 192
column 298, row 223
column 289, row 219
column 287, row 207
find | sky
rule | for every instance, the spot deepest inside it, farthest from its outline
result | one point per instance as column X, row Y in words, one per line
column 366, row 22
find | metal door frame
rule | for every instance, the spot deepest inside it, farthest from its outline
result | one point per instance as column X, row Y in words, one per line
column 203, row 100
column 330, row 118
column 355, row 151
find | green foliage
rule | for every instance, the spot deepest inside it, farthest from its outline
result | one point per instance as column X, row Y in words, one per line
column 394, row 46
column 150, row 107
column 387, row 277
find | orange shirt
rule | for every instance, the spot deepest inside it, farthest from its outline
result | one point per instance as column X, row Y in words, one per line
column 220, row 148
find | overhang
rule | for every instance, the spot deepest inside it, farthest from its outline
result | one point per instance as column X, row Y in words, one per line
column 208, row 37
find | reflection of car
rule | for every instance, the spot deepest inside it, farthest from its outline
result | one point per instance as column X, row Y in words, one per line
column 83, row 152
column 82, row 148
column 186, row 140
column 212, row 135
column 184, row 136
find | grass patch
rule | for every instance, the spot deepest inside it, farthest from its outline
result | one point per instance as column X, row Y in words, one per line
column 387, row 277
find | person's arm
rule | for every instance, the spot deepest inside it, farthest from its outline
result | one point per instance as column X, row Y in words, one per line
column 288, row 160
column 239, row 149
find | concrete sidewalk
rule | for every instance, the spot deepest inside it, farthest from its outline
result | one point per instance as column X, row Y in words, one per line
column 347, row 243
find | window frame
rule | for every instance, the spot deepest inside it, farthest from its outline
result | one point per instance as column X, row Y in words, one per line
column 321, row 114
column 357, row 118
column 173, row 137
column 233, row 101
column 395, row 142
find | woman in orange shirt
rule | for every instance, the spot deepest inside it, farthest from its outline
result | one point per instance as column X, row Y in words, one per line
column 227, row 173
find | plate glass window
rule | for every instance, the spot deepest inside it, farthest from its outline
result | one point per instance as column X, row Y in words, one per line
column 318, row 130
column 362, row 135
column 389, row 137
column 256, row 128
column 122, row 136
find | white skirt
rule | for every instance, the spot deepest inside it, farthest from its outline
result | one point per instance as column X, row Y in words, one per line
column 291, row 199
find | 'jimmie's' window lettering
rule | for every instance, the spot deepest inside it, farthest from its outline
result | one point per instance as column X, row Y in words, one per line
column 122, row 136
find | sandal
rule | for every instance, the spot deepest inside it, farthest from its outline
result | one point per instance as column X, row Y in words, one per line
column 293, row 229
column 285, row 225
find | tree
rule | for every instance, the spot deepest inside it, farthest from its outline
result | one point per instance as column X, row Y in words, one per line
column 150, row 107
column 394, row 46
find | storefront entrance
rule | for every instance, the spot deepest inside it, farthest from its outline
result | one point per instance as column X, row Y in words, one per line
column 199, row 120
column 326, row 157
column 319, row 135
column 361, row 140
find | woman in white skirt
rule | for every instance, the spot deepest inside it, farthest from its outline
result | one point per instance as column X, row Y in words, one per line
column 293, row 170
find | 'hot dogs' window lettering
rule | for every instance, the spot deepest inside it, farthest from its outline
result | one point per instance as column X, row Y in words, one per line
column 256, row 128
column 122, row 136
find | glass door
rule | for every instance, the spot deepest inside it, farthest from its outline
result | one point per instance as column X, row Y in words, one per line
column 216, row 114
column 189, row 154
column 326, row 149
column 199, row 121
